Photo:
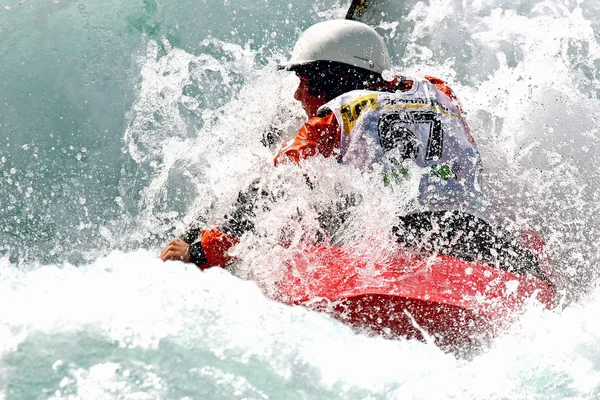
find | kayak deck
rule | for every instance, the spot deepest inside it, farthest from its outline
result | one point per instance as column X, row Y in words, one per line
column 452, row 301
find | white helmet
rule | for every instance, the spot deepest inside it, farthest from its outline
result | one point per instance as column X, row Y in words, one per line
column 344, row 41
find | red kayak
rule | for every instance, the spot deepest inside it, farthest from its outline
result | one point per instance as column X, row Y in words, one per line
column 458, row 304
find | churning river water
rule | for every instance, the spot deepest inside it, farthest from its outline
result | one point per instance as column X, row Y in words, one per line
column 120, row 120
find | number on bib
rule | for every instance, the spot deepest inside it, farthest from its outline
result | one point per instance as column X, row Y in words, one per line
column 396, row 132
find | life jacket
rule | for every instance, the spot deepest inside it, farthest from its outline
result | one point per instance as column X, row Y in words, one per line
column 417, row 131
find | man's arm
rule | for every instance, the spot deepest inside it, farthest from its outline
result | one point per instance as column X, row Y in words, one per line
column 209, row 247
column 210, row 251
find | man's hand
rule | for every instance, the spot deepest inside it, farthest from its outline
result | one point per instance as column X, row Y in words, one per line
column 177, row 249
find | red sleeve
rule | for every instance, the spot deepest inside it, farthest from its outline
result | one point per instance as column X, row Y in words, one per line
column 215, row 245
column 319, row 135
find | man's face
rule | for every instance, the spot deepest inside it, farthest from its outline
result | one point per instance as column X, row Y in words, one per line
column 310, row 103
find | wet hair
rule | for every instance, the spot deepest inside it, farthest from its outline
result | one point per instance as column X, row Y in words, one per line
column 335, row 78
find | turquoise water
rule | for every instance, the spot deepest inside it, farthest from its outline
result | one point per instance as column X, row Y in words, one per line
column 71, row 80
column 119, row 121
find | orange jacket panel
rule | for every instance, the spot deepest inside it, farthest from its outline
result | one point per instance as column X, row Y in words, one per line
column 319, row 135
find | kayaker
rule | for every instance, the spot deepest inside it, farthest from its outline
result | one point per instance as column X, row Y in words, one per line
column 417, row 126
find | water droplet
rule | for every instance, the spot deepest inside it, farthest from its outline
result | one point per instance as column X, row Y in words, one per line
column 105, row 233
column 57, row 364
